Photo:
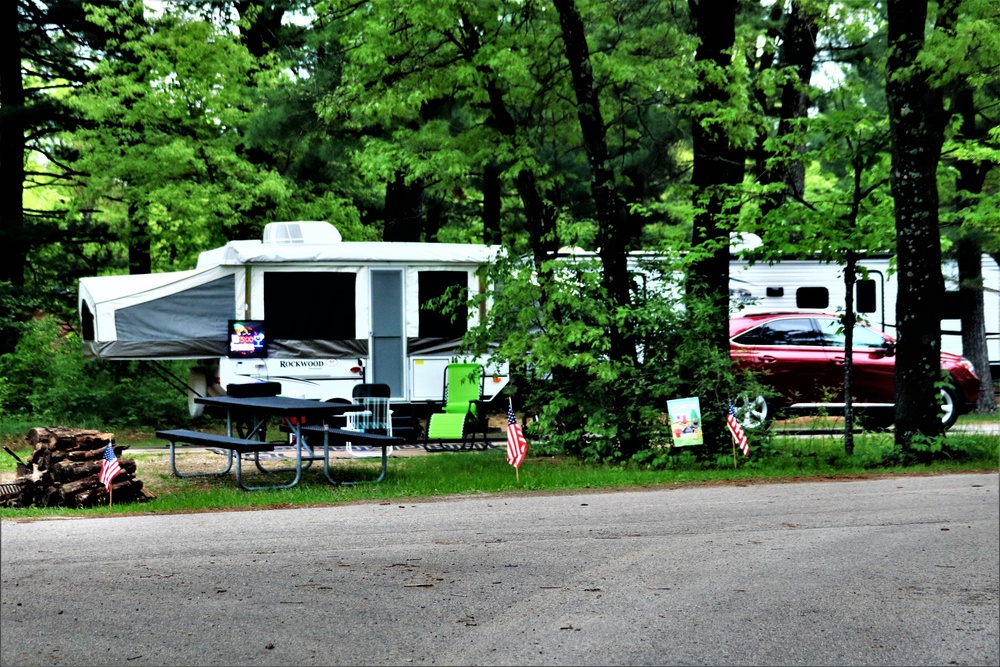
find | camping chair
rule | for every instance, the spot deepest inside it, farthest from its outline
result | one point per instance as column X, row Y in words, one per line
column 376, row 417
column 462, row 412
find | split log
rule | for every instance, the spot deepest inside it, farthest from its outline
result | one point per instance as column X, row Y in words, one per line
column 70, row 470
column 68, row 438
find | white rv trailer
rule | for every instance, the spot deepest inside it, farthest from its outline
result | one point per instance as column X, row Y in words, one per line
column 815, row 285
column 334, row 314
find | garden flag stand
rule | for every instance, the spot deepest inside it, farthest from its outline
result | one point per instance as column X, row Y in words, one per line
column 517, row 446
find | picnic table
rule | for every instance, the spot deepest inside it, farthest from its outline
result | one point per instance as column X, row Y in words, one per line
column 302, row 418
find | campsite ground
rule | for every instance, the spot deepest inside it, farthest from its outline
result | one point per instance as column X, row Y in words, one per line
column 892, row 571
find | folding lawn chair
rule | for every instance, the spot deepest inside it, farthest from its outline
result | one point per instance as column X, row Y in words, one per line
column 376, row 417
column 462, row 415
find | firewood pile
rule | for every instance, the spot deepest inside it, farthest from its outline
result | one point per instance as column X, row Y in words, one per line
column 63, row 472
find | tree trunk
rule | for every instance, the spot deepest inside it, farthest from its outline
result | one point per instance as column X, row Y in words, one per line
column 615, row 234
column 262, row 27
column 717, row 165
column 403, row 208
column 850, row 318
column 969, row 252
column 974, row 348
column 798, row 52
column 13, row 241
column 492, row 204
column 540, row 215
column 916, row 121
column 140, row 260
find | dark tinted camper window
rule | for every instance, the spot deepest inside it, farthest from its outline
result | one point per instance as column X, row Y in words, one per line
column 865, row 299
column 434, row 323
column 812, row 297
column 87, row 322
column 307, row 305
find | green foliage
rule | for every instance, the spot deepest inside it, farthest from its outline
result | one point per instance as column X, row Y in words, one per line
column 552, row 327
column 438, row 90
column 47, row 379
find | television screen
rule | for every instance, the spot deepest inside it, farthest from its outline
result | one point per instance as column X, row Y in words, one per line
column 247, row 339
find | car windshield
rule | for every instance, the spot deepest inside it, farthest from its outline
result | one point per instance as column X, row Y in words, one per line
column 834, row 336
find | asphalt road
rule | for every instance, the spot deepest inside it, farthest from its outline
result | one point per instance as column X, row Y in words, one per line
column 897, row 571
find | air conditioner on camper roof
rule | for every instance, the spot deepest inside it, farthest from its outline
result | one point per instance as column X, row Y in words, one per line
column 308, row 231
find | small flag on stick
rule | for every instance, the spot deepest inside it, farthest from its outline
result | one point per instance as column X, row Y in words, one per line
column 739, row 437
column 517, row 446
column 109, row 467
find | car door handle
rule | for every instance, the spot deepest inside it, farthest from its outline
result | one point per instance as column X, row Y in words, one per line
column 839, row 361
column 767, row 359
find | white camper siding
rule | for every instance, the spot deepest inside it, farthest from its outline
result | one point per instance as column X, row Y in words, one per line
column 775, row 287
column 991, row 308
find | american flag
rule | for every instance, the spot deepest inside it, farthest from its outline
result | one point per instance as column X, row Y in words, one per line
column 109, row 467
column 517, row 446
column 738, row 435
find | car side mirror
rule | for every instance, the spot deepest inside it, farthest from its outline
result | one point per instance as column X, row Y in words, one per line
column 889, row 347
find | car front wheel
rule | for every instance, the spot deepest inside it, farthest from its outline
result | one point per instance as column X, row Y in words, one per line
column 753, row 411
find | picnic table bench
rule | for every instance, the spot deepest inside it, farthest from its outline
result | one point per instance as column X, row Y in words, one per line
column 236, row 447
column 200, row 439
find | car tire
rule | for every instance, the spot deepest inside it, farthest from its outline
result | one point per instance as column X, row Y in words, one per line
column 753, row 411
column 949, row 407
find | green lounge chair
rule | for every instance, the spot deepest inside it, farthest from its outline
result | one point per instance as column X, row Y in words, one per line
column 463, row 387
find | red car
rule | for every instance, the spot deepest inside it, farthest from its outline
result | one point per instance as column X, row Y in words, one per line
column 801, row 357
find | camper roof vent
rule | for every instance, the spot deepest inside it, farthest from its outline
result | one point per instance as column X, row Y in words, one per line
column 310, row 231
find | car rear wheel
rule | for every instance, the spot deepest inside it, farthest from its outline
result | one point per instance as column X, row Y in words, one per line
column 949, row 407
column 753, row 411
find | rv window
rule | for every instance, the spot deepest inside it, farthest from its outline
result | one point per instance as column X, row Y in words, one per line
column 309, row 305
column 812, row 297
column 87, row 322
column 865, row 300
column 436, row 322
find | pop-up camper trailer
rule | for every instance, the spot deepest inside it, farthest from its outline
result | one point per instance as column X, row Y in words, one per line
column 301, row 308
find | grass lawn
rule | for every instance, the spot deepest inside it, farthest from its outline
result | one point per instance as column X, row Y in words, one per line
column 455, row 474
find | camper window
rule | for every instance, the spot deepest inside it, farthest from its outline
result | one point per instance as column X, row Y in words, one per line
column 438, row 322
column 87, row 322
column 812, row 297
column 309, row 305
column 865, row 301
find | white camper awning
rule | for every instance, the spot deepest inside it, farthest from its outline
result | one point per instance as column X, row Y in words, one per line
column 254, row 252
